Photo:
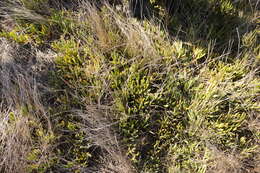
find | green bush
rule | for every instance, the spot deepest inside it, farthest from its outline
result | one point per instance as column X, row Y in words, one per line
column 177, row 103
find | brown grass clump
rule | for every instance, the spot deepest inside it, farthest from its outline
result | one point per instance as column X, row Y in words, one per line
column 95, row 122
column 25, row 129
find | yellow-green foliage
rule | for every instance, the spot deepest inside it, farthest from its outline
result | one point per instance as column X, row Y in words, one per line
column 176, row 102
column 14, row 35
column 167, row 114
column 75, row 149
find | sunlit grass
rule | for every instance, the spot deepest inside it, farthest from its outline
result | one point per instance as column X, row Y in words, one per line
column 119, row 94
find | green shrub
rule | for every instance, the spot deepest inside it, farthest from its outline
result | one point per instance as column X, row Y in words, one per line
column 177, row 102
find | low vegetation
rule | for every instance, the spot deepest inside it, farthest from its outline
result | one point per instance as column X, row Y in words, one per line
column 90, row 86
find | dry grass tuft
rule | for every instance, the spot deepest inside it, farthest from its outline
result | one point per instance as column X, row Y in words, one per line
column 18, row 9
column 25, row 132
column 95, row 122
column 15, row 142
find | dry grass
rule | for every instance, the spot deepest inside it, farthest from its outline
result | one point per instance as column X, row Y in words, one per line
column 19, row 10
column 25, row 126
column 95, row 122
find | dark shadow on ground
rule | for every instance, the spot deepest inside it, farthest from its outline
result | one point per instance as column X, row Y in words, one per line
column 199, row 22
